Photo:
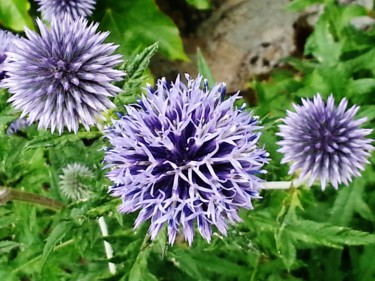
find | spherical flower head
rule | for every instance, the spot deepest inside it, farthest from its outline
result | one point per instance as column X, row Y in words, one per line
column 58, row 8
column 185, row 156
column 6, row 44
column 63, row 76
column 324, row 142
column 75, row 181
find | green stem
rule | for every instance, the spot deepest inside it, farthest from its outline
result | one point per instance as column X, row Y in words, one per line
column 255, row 271
column 144, row 243
column 62, row 245
column 8, row 194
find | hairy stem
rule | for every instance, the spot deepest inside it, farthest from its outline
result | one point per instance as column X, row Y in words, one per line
column 9, row 194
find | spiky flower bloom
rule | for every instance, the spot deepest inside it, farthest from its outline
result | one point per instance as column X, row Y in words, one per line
column 6, row 44
column 184, row 155
column 63, row 76
column 75, row 181
column 58, row 8
column 325, row 142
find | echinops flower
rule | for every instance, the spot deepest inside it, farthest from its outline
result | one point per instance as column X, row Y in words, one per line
column 58, row 8
column 75, row 181
column 63, row 76
column 325, row 142
column 6, row 45
column 184, row 156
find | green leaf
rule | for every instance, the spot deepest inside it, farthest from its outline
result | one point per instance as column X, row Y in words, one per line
column 287, row 216
column 349, row 201
column 7, row 246
column 200, row 4
column 135, row 69
column 136, row 66
column 139, row 271
column 325, row 234
column 204, row 69
column 186, row 263
column 14, row 14
column 360, row 87
column 216, row 264
column 287, row 249
column 135, row 24
column 298, row 5
column 367, row 111
column 56, row 235
column 322, row 44
column 46, row 139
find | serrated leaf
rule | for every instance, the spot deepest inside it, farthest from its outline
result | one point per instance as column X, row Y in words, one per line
column 135, row 24
column 216, row 264
column 360, row 87
column 319, row 233
column 7, row 246
column 14, row 14
column 55, row 237
column 287, row 215
column 135, row 68
column 139, row 270
column 204, row 69
column 286, row 248
column 322, row 43
column 186, row 263
column 46, row 139
column 349, row 201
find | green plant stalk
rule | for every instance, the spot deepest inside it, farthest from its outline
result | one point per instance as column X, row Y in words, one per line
column 9, row 194
column 37, row 258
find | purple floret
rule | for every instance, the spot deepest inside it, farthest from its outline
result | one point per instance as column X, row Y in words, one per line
column 184, row 156
column 63, row 76
column 325, row 142
column 58, row 8
column 6, row 45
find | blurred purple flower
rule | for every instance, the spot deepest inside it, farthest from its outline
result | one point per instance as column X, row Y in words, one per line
column 17, row 126
column 63, row 76
column 325, row 142
column 6, row 44
column 58, row 8
column 184, row 155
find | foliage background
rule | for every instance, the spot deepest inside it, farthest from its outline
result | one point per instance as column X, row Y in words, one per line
column 295, row 234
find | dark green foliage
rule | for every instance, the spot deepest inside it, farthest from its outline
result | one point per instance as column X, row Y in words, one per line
column 296, row 234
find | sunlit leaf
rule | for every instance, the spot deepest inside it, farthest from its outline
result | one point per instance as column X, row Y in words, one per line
column 14, row 14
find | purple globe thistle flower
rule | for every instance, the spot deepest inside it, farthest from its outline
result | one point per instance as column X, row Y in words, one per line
column 325, row 142
column 185, row 155
column 58, row 8
column 6, row 44
column 63, row 76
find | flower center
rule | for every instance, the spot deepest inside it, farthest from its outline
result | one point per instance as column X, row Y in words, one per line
column 64, row 74
column 326, row 139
